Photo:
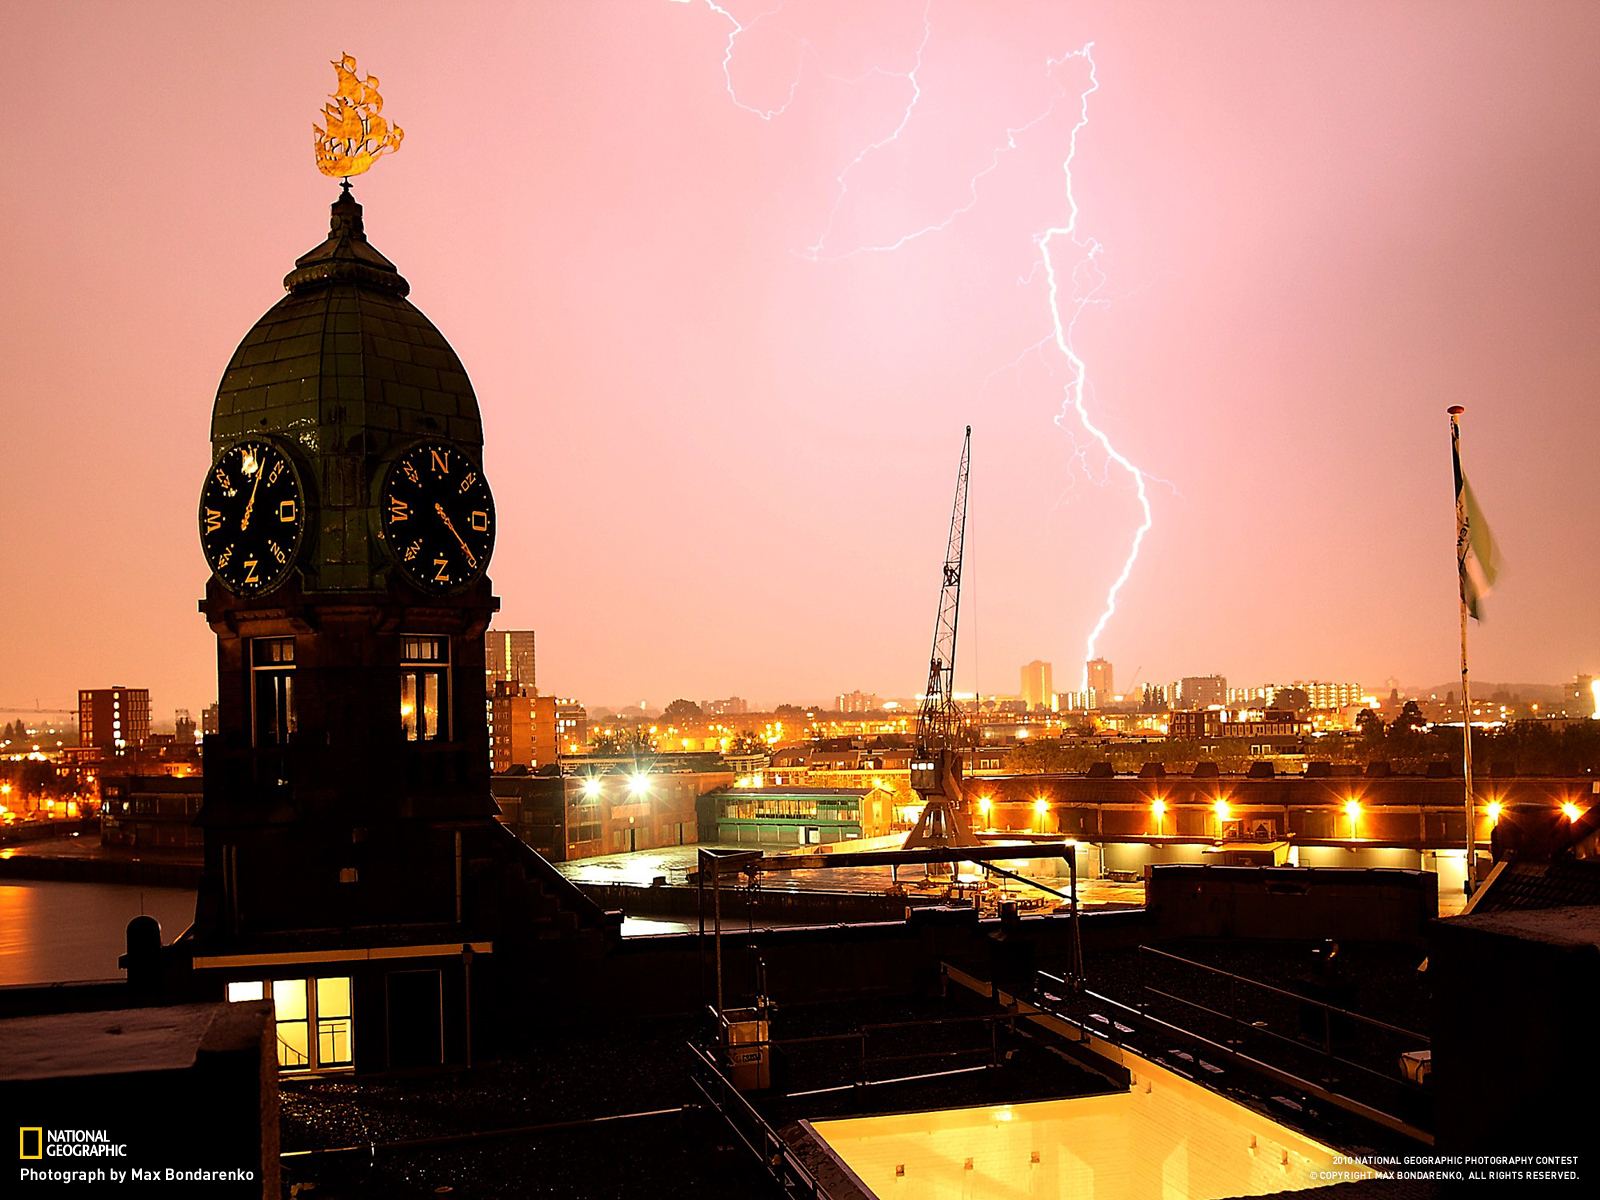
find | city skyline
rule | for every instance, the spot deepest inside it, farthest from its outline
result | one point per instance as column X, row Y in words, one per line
column 1300, row 288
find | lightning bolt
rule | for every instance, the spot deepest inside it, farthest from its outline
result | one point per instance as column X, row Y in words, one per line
column 1088, row 265
column 766, row 114
column 1087, row 278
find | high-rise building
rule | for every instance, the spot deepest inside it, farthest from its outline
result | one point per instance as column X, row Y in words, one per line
column 1318, row 694
column 1038, row 689
column 1097, row 677
column 559, row 727
column 113, row 718
column 534, row 731
column 1585, row 698
column 510, row 727
column 1202, row 691
column 733, row 706
column 509, row 657
column 210, row 721
column 857, row 702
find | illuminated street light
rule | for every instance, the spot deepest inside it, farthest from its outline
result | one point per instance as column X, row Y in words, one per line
column 1572, row 810
column 639, row 785
column 591, row 788
column 1352, row 809
column 1494, row 812
column 1159, row 808
column 1222, row 810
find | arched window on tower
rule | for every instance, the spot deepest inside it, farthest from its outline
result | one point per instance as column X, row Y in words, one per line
column 425, row 688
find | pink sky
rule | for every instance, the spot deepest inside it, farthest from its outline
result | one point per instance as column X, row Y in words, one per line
column 724, row 464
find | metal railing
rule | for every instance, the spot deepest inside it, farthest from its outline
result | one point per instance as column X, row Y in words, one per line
column 1135, row 1027
column 288, row 1056
column 1337, row 1025
column 880, row 1046
column 751, row 1128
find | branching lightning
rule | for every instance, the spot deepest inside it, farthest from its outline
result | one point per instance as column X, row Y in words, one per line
column 766, row 114
column 1087, row 277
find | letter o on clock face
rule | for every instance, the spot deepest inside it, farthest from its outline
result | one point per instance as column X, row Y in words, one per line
column 252, row 516
column 437, row 516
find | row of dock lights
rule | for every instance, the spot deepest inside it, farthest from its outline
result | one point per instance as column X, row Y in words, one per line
column 1224, row 811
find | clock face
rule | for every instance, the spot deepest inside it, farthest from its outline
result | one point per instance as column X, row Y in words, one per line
column 252, row 516
column 438, row 516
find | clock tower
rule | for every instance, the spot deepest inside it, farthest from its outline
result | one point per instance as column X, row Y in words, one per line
column 355, row 870
column 349, row 526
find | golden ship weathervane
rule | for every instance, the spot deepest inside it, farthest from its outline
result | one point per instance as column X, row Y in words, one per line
column 355, row 131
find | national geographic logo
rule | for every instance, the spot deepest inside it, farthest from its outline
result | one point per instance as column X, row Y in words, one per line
column 39, row 1143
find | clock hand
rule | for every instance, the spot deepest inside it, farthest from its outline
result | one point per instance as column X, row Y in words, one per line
column 251, row 503
column 472, row 560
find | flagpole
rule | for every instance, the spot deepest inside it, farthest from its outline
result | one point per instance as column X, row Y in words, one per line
column 1466, row 686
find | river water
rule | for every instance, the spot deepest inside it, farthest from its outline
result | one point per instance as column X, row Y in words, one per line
column 53, row 932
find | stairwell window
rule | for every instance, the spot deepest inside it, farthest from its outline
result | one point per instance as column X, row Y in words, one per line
column 425, row 688
column 272, row 690
column 313, row 1019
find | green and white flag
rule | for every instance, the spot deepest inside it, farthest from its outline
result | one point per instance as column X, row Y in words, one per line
column 1477, row 555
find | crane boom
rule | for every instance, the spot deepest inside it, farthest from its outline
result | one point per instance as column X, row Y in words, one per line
column 941, row 725
column 940, row 722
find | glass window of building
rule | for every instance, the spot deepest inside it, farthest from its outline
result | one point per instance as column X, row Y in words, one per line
column 314, row 1019
column 289, row 1007
column 272, row 690
column 424, row 688
column 333, row 1022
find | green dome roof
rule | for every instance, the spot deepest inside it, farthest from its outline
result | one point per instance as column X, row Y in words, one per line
column 345, row 353
column 346, row 372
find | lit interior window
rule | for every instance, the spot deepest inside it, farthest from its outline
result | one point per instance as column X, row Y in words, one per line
column 289, row 1006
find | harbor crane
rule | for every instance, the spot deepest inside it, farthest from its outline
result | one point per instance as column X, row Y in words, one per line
column 942, row 727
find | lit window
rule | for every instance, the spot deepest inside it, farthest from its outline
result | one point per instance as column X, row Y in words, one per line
column 424, row 688
column 289, row 1007
column 333, row 1021
column 313, row 1017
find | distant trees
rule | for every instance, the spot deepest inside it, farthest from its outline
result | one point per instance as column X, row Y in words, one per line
column 1370, row 725
column 622, row 742
column 1292, row 698
column 682, row 710
column 1409, row 721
